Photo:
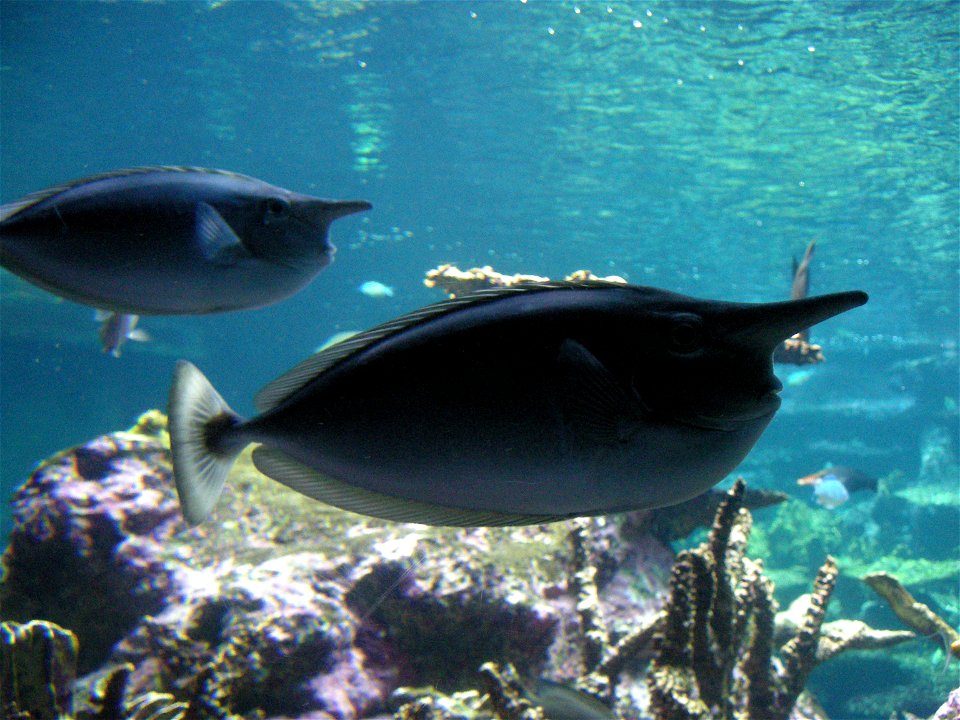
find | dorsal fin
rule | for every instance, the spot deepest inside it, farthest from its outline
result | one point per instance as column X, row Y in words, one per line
column 284, row 386
column 27, row 201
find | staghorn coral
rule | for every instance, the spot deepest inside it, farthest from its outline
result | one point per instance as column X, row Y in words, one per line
column 601, row 661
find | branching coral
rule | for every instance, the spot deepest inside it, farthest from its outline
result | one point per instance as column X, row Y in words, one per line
column 714, row 650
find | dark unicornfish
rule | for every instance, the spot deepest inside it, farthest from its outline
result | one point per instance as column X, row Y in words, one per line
column 117, row 328
column 169, row 240
column 514, row 405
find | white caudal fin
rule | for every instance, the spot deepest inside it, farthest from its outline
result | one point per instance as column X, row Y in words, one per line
column 200, row 423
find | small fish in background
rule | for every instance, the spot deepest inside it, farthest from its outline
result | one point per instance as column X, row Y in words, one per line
column 169, row 240
column 798, row 377
column 518, row 405
column 832, row 485
column 117, row 328
column 562, row 702
column 375, row 289
column 797, row 349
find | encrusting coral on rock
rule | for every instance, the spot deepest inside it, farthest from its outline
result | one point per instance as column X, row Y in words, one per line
column 454, row 281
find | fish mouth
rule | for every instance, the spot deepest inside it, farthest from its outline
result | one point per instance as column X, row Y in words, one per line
column 764, row 407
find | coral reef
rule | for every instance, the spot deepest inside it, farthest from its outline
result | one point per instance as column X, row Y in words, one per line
column 798, row 351
column 276, row 609
column 90, row 524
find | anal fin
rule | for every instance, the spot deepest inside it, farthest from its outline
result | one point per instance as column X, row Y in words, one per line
column 307, row 481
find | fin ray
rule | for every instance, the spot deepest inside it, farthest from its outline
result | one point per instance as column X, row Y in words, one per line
column 594, row 404
column 198, row 471
column 218, row 241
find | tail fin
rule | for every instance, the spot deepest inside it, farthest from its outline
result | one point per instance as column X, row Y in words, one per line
column 199, row 421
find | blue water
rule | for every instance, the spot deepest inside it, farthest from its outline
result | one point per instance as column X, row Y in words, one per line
column 691, row 146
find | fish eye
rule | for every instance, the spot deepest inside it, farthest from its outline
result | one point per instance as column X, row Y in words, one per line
column 276, row 208
column 686, row 335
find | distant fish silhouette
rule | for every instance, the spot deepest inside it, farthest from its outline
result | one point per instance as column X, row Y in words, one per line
column 117, row 328
column 797, row 349
column 507, row 406
column 801, row 282
column 832, row 485
column 169, row 240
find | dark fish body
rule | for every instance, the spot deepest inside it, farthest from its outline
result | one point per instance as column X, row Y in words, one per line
column 169, row 240
column 518, row 405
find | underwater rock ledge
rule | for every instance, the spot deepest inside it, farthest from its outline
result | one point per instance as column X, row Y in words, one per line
column 284, row 609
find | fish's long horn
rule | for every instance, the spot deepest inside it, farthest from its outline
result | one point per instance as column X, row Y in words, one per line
column 769, row 324
column 333, row 209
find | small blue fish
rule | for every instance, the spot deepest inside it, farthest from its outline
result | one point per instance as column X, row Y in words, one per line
column 830, row 493
column 832, row 485
column 374, row 289
column 116, row 329
column 169, row 240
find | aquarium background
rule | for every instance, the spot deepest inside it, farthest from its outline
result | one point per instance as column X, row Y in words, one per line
column 692, row 146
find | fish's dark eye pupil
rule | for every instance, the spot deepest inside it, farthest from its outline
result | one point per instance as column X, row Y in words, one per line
column 276, row 206
column 685, row 336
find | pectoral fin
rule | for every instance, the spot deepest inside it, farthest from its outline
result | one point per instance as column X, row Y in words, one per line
column 218, row 242
column 596, row 407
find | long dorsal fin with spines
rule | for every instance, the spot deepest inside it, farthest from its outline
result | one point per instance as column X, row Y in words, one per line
column 291, row 381
column 10, row 209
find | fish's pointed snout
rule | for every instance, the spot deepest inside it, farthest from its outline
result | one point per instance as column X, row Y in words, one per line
column 771, row 323
column 333, row 209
